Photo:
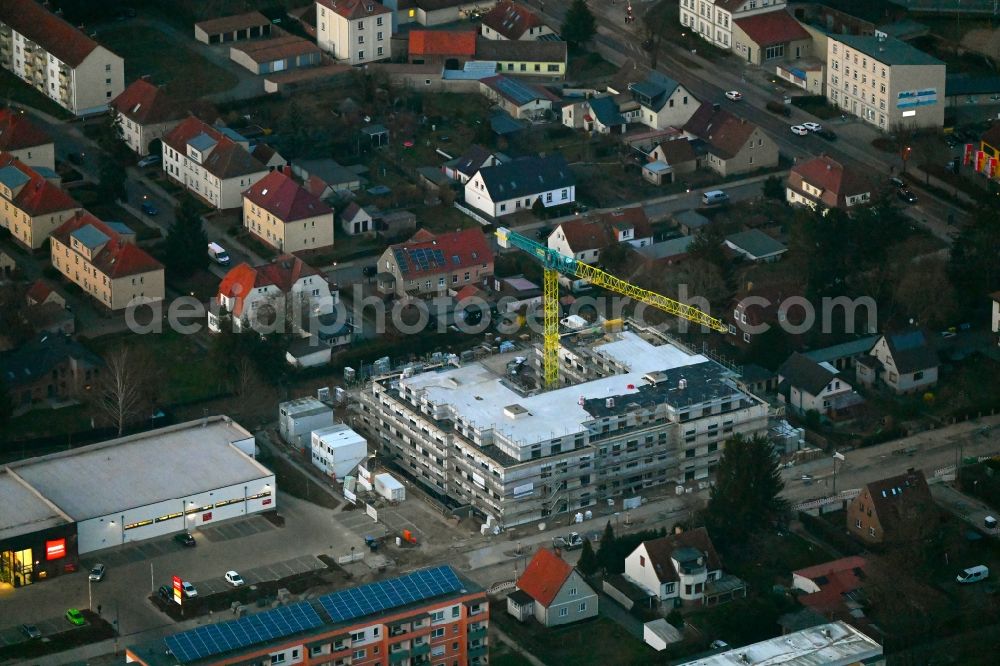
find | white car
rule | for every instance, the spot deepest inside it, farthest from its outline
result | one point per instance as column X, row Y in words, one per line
column 234, row 579
column 189, row 590
column 799, row 129
column 812, row 127
column 734, row 95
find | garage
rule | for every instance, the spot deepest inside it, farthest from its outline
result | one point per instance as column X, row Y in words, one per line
column 224, row 29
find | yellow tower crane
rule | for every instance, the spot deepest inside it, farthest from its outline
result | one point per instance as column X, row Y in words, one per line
column 555, row 263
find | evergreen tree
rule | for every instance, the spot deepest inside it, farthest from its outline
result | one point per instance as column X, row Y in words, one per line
column 579, row 25
column 975, row 260
column 111, row 179
column 746, row 495
column 773, row 188
column 186, row 247
column 587, row 563
column 607, row 550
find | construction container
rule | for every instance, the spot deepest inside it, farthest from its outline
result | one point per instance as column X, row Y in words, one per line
column 389, row 488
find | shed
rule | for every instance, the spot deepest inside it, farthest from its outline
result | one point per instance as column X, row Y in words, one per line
column 520, row 605
column 657, row 172
column 658, row 634
column 395, row 222
column 234, row 28
column 690, row 222
column 378, row 135
column 303, row 354
column 298, row 418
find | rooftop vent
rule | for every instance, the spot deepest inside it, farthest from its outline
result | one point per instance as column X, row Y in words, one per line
column 515, row 411
column 682, row 384
column 609, row 403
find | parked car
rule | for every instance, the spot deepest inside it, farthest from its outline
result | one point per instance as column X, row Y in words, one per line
column 75, row 617
column 897, row 183
column 30, row 631
column 778, row 107
column 97, row 573
column 189, row 590
column 973, row 574
column 185, row 539
column 907, row 196
column 826, row 134
column 149, row 160
column 218, row 254
column 165, row 592
column 812, row 127
column 799, row 130
column 714, row 198
column 734, row 95
column 234, row 579
column 149, row 208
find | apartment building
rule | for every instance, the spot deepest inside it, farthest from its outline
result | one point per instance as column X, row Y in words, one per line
column 430, row 264
column 102, row 259
column 57, row 59
column 212, row 163
column 144, row 113
column 354, row 31
column 732, row 145
column 431, row 615
column 33, row 204
column 285, row 215
column 884, row 81
column 713, row 20
column 25, row 140
column 644, row 412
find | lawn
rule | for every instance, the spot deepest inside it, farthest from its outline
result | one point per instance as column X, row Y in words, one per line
column 586, row 66
column 816, row 105
column 155, row 54
column 441, row 219
column 15, row 91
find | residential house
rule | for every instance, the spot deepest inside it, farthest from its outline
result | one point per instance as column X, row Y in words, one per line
column 431, row 264
column 49, row 368
column 682, row 566
column 668, row 160
column 553, row 591
column 884, row 81
column 759, row 309
column 464, row 167
column 285, row 215
column 46, row 311
column 260, row 151
column 356, row 220
column 528, row 58
column 448, row 48
column 597, row 114
column 504, row 189
column 825, row 183
column 690, row 222
column 280, row 54
column 519, row 99
column 143, row 114
column 774, row 35
column 832, row 589
column 584, row 238
column 33, row 204
column 732, row 145
column 255, row 295
column 57, row 59
column 885, row 508
column 662, row 101
column 669, row 252
column 713, row 20
column 436, row 12
column 42, row 292
column 513, row 21
column 23, row 139
column 103, row 260
column 233, row 28
column 211, row 163
column 354, row 31
column 905, row 362
column 844, row 356
column 756, row 246
column 995, row 315
column 807, row 386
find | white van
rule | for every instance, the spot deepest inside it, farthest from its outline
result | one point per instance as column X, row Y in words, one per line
column 218, row 254
column 714, row 198
column 973, row 574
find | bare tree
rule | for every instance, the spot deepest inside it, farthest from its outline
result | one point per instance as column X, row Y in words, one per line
column 124, row 387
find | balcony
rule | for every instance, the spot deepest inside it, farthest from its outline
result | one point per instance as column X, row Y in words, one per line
column 475, row 634
column 478, row 651
column 421, row 649
column 398, row 656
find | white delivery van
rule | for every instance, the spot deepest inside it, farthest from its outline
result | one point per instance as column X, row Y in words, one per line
column 218, row 254
column 714, row 198
column 973, row 574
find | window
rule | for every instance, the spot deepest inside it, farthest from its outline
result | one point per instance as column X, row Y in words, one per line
column 278, row 658
column 437, row 633
column 857, row 523
column 361, row 39
column 871, row 531
column 361, row 25
column 456, row 611
column 357, row 636
column 572, row 591
column 553, row 68
column 563, row 612
column 378, row 21
column 107, row 68
column 776, row 51
column 379, row 36
column 917, row 376
column 361, row 55
column 642, row 560
column 582, row 608
column 359, row 654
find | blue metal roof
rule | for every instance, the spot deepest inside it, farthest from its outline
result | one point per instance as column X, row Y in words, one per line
column 120, row 227
column 202, row 142
column 473, row 70
column 45, row 172
column 606, row 111
column 13, row 177
column 516, row 91
column 233, row 134
column 90, row 236
column 502, row 123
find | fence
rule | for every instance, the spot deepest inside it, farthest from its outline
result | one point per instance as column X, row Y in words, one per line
column 818, row 504
column 475, row 216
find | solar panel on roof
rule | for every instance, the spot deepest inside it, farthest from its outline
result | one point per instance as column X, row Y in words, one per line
column 376, row 597
column 215, row 639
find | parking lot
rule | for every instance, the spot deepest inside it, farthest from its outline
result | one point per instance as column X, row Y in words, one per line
column 261, row 574
column 54, row 625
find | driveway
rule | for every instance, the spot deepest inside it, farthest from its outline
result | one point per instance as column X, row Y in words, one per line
column 609, row 608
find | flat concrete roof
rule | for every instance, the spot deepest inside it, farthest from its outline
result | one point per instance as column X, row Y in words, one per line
column 24, row 511
column 168, row 463
column 477, row 394
column 834, row 644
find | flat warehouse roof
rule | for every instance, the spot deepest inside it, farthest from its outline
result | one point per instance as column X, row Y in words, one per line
column 168, row 463
column 24, row 511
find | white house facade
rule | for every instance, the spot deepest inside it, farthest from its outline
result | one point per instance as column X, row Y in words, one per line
column 713, row 20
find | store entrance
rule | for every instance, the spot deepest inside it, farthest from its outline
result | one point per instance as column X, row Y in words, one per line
column 16, row 567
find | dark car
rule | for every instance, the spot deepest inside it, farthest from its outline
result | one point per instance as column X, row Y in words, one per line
column 543, row 232
column 778, row 107
column 75, row 158
column 897, row 183
column 149, row 208
column 826, row 134
column 185, row 539
column 30, row 631
column 907, row 196
column 165, row 593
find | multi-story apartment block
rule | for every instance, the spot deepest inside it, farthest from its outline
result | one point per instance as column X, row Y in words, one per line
column 885, row 81
column 354, row 31
column 33, row 204
column 429, row 616
column 57, row 59
column 643, row 414
column 144, row 113
column 25, row 140
column 713, row 19
column 285, row 215
column 212, row 163
column 102, row 259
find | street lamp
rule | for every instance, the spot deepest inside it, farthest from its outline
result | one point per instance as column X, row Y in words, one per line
column 836, row 456
column 906, row 156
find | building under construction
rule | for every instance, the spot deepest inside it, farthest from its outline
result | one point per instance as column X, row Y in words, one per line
column 638, row 411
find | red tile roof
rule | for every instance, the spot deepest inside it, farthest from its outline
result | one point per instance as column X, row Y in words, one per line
column 660, row 551
column 442, row 43
column 776, row 27
column 118, row 258
column 49, row 31
column 38, row 196
column 226, row 160
column 281, row 196
column 544, row 576
column 629, row 218
column 38, row 292
column 836, row 181
column 511, row 19
column 833, row 566
column 724, row 133
column 834, row 579
column 222, row 24
column 277, row 48
column 354, row 9
column 585, row 233
column 17, row 131
column 282, row 273
column 441, row 253
column 145, row 104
